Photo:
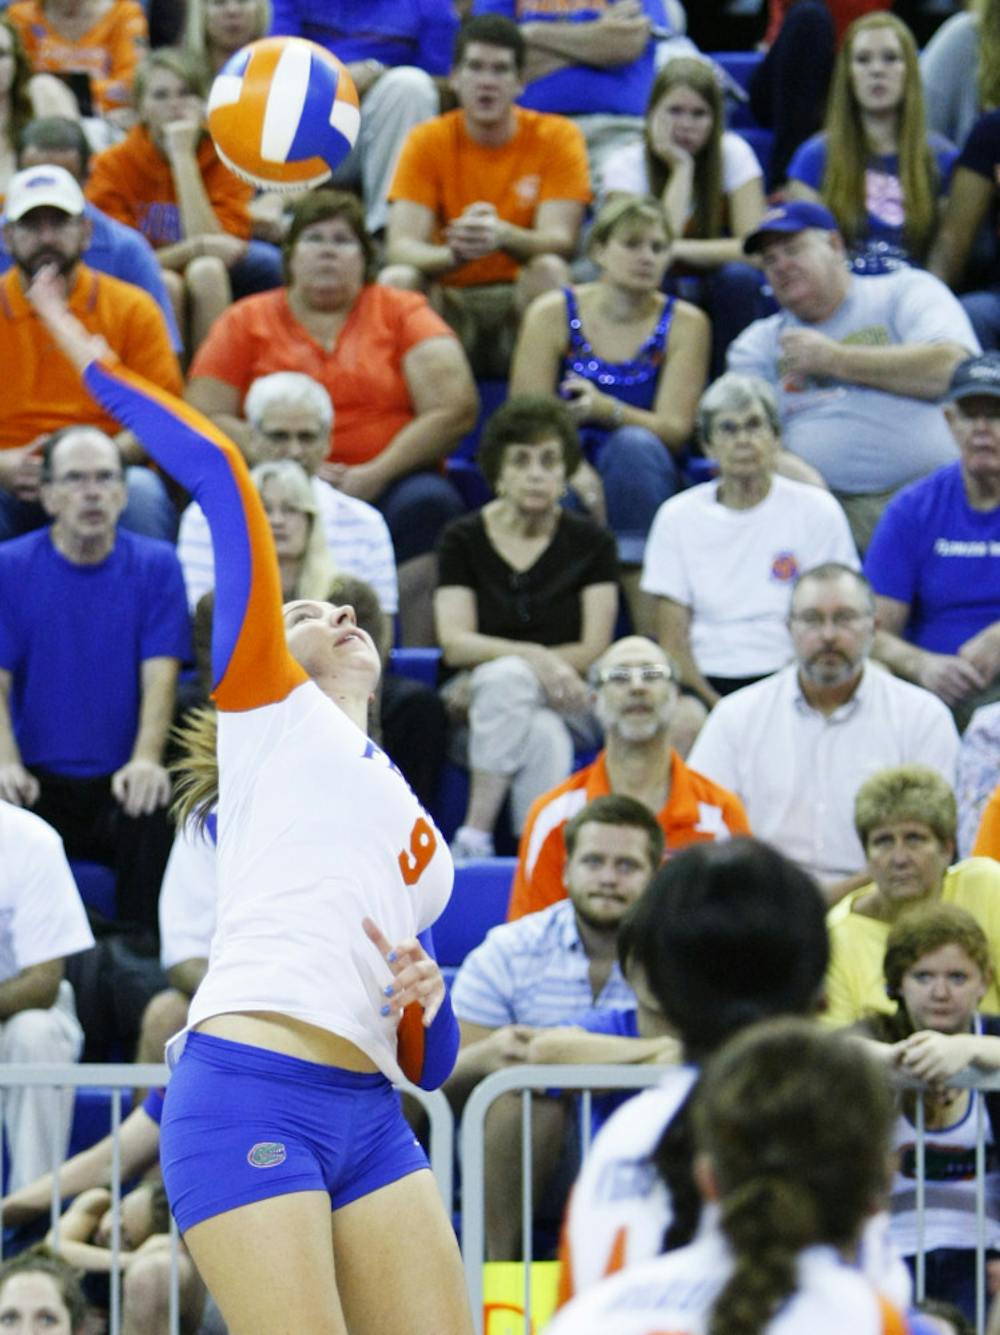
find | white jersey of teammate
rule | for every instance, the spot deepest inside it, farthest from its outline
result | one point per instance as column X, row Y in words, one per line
column 620, row 1208
column 676, row 1293
column 301, row 764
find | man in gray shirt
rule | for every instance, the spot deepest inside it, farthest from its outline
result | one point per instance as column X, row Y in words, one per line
column 858, row 363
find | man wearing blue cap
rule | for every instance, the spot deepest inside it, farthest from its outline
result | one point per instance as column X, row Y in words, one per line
column 934, row 559
column 858, row 362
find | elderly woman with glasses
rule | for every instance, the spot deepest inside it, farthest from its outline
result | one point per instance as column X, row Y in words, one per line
column 722, row 557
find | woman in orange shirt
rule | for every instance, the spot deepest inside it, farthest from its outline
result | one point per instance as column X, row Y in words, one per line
column 166, row 179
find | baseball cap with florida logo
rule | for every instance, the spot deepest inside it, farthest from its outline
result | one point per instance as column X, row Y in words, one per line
column 42, row 187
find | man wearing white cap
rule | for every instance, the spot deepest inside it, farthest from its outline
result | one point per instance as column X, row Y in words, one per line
column 857, row 363
column 44, row 223
column 934, row 559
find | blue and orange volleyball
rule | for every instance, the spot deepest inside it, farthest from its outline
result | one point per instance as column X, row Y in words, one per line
column 283, row 113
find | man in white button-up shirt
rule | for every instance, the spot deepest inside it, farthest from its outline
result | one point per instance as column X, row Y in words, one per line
column 796, row 746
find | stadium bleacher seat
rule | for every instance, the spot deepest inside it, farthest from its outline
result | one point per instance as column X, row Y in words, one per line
column 478, row 902
column 96, row 884
column 418, row 664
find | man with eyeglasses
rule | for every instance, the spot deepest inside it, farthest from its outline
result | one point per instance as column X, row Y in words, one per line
column 291, row 417
column 934, row 559
column 636, row 703
column 797, row 746
column 93, row 629
column 45, row 223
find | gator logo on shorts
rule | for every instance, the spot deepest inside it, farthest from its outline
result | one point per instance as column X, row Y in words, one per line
column 267, row 1154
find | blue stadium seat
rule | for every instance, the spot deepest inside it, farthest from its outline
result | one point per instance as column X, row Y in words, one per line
column 418, row 664
column 92, row 1117
column 478, row 902
column 762, row 143
column 491, row 394
column 739, row 65
column 96, row 884
column 467, row 476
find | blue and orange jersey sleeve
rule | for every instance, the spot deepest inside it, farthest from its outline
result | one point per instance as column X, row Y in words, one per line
column 251, row 665
column 426, row 1055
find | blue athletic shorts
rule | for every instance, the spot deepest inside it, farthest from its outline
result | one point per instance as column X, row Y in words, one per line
column 241, row 1124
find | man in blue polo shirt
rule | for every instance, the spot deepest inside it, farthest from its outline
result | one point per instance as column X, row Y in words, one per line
column 934, row 559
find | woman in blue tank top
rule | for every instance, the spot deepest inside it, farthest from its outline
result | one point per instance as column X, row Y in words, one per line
column 630, row 364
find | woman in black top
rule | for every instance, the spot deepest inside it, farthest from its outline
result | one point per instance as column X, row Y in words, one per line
column 527, row 598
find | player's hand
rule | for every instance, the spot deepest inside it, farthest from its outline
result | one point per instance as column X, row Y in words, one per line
column 804, row 352
column 141, row 787
column 18, row 785
column 416, row 978
column 950, row 677
column 624, row 32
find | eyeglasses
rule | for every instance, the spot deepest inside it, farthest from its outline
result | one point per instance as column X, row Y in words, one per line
column 729, row 430
column 103, row 477
column 279, row 437
column 845, row 618
column 625, row 676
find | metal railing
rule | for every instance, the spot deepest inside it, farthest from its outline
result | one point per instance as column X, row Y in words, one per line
column 523, row 1079
column 526, row 1080
column 116, row 1079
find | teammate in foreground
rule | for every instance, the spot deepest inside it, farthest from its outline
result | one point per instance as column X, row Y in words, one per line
column 280, row 1109
column 792, row 1129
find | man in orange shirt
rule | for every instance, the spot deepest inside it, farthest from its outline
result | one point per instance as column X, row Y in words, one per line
column 44, row 223
column 635, row 700
column 487, row 201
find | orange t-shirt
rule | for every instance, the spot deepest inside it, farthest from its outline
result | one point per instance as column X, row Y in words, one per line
column 109, row 52
column 132, row 182
column 445, row 170
column 987, row 843
column 697, row 811
column 363, row 371
column 40, row 390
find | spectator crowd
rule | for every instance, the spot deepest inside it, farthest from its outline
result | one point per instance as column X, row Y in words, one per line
column 645, row 402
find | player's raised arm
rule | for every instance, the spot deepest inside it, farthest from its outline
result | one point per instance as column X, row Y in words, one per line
column 251, row 664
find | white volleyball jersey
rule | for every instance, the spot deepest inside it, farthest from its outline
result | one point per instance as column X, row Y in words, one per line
column 675, row 1294
column 317, row 830
column 620, row 1210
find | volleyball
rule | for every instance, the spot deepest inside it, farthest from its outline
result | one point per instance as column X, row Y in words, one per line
column 283, row 112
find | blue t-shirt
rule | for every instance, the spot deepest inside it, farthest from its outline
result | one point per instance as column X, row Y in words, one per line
column 74, row 637
column 883, row 189
column 620, row 90
column 123, row 253
column 932, row 550
column 981, row 154
column 396, row 32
